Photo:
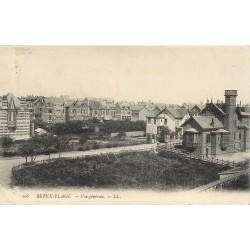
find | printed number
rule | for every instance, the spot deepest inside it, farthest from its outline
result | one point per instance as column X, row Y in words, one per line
column 25, row 196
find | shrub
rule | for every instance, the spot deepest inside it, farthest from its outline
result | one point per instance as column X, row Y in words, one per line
column 9, row 153
column 96, row 145
column 6, row 141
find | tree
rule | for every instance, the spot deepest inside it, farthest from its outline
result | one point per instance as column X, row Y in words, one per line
column 164, row 131
column 49, row 144
column 83, row 139
column 60, row 144
column 27, row 149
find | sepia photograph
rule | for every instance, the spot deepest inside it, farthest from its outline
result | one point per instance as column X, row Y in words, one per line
column 124, row 124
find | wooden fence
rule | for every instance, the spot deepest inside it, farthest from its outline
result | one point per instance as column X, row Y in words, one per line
column 171, row 148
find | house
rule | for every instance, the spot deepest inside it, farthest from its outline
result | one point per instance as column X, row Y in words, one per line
column 204, row 134
column 123, row 111
column 53, row 110
column 97, row 110
column 185, row 115
column 139, row 113
column 168, row 117
column 77, row 110
column 219, row 128
column 135, row 112
column 16, row 119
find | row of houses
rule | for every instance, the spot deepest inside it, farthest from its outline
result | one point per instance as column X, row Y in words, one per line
column 61, row 109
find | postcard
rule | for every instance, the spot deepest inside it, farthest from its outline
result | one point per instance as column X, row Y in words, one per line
column 124, row 125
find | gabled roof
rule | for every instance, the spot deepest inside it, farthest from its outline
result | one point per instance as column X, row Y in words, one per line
column 12, row 101
column 200, row 106
column 171, row 111
column 182, row 112
column 216, row 107
column 205, row 122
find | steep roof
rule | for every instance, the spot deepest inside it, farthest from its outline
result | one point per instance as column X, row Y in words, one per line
column 171, row 111
column 217, row 107
column 206, row 122
column 12, row 101
column 182, row 112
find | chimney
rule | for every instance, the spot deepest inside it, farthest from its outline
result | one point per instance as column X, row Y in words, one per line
column 212, row 122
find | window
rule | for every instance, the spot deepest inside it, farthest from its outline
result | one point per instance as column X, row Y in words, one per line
column 50, row 110
column 74, row 111
column 234, row 135
column 95, row 112
column 165, row 121
column 154, row 121
column 239, row 135
column 149, row 120
column 208, row 138
column 107, row 112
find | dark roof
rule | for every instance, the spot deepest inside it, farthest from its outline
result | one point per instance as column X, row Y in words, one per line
column 182, row 112
column 205, row 122
column 217, row 107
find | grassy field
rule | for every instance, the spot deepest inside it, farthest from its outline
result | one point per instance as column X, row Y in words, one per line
column 135, row 170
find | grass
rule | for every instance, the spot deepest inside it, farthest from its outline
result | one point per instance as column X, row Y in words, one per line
column 133, row 170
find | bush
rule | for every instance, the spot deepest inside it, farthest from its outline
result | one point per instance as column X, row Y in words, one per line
column 96, row 146
column 6, row 141
column 9, row 153
column 83, row 139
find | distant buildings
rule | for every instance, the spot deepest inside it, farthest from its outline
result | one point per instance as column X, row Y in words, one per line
column 16, row 119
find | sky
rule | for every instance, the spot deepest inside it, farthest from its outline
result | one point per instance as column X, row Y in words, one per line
column 169, row 74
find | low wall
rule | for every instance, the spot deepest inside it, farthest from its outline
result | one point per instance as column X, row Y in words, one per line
column 130, row 134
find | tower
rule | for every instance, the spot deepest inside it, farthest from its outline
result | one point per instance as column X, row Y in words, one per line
column 231, row 117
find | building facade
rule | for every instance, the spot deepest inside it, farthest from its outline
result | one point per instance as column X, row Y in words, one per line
column 16, row 119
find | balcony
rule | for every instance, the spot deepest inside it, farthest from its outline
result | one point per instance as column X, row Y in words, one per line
column 11, row 125
column 192, row 144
